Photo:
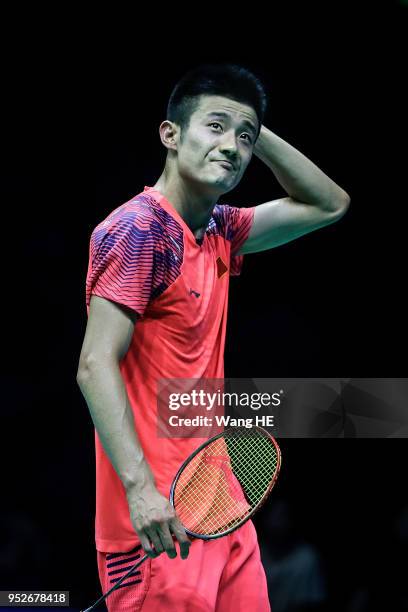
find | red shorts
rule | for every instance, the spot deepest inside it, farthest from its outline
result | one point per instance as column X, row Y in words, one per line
column 224, row 575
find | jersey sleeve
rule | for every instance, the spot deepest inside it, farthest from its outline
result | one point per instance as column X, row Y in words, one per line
column 121, row 264
column 238, row 223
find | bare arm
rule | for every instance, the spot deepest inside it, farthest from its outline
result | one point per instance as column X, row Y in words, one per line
column 108, row 335
column 314, row 200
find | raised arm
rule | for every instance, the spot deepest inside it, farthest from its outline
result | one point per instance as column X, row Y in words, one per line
column 314, row 200
column 108, row 335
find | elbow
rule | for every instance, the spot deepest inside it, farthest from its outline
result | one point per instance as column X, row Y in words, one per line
column 87, row 364
column 82, row 372
column 335, row 207
column 346, row 202
column 92, row 365
column 342, row 205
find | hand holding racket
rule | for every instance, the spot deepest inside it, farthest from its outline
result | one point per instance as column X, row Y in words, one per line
column 220, row 486
column 155, row 521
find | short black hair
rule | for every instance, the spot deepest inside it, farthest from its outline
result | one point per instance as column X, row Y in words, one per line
column 228, row 80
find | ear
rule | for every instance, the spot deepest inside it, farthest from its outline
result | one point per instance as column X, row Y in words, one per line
column 169, row 134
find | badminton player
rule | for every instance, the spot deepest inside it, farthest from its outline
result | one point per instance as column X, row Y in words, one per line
column 157, row 293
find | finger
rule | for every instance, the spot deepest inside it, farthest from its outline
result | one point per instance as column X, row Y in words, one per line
column 182, row 538
column 147, row 547
column 152, row 533
column 166, row 540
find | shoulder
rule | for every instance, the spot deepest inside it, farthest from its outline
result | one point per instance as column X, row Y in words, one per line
column 223, row 214
column 127, row 214
column 225, row 219
column 137, row 219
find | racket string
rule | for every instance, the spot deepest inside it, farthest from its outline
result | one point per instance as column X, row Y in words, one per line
column 224, row 482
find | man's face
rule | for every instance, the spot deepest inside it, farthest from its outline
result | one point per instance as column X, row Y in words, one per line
column 217, row 146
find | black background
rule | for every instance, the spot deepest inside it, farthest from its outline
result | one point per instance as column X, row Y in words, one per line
column 81, row 115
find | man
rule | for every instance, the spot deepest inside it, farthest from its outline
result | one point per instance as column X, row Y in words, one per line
column 157, row 289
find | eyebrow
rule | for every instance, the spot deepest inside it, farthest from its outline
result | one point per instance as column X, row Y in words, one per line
column 227, row 116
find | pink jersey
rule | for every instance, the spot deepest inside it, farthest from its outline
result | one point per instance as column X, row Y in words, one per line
column 145, row 257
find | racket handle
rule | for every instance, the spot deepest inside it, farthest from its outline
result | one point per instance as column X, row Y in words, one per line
column 135, row 566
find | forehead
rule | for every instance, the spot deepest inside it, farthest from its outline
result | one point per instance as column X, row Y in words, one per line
column 237, row 111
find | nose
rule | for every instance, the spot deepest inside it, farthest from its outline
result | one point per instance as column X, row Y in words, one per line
column 228, row 146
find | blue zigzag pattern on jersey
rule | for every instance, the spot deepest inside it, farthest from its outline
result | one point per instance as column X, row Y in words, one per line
column 223, row 220
column 136, row 252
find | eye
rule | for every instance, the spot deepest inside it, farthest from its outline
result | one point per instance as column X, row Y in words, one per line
column 215, row 123
column 248, row 137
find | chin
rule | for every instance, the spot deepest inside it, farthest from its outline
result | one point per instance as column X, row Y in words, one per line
column 214, row 185
column 224, row 183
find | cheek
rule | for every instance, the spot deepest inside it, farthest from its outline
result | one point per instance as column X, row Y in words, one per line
column 196, row 154
column 202, row 141
column 192, row 160
column 247, row 158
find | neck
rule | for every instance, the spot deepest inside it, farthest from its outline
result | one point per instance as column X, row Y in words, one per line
column 193, row 206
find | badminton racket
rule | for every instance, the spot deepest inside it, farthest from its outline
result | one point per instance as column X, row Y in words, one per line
column 221, row 485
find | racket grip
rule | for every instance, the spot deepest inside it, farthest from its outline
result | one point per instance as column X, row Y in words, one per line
column 135, row 566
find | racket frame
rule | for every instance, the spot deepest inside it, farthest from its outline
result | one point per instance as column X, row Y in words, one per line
column 256, row 507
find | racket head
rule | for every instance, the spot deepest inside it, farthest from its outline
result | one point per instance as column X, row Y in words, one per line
column 225, row 481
